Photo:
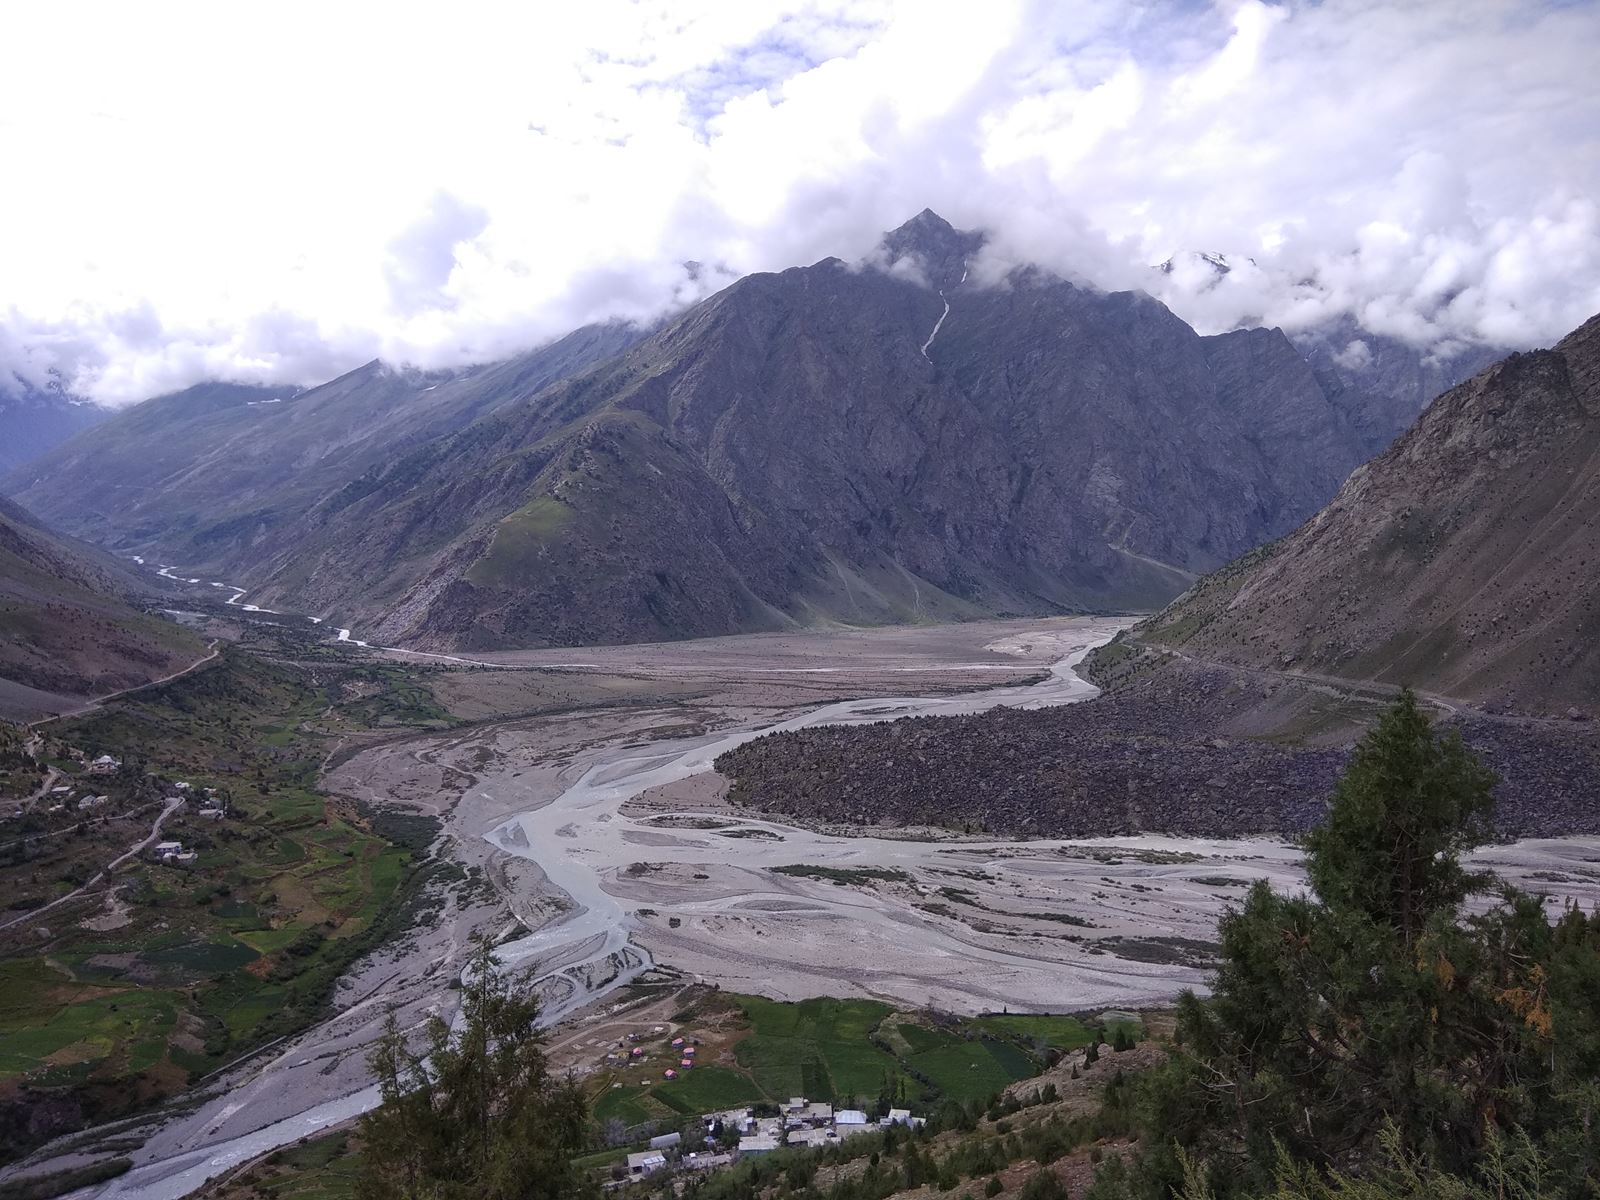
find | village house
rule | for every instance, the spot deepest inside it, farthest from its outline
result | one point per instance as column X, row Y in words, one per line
column 104, row 765
column 801, row 1113
column 819, row 1136
column 851, row 1121
column 169, row 851
column 739, row 1119
column 646, row 1161
column 803, row 1123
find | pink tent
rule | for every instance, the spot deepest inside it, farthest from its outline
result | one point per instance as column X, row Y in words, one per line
column 672, row 1074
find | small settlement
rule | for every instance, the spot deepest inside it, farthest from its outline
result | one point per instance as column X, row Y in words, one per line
column 212, row 808
column 800, row 1122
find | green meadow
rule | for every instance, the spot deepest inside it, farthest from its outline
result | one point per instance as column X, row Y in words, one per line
column 852, row 1053
column 209, row 960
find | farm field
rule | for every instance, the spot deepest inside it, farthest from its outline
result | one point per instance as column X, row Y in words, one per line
column 852, row 1053
column 321, row 1168
column 164, row 971
column 758, row 1046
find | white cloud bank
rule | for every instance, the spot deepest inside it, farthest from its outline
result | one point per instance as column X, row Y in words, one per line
column 280, row 192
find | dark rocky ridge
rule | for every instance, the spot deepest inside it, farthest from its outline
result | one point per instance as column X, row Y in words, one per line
column 1186, row 750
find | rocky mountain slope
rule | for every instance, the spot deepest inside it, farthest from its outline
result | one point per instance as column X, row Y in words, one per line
column 826, row 443
column 1386, row 382
column 1465, row 560
column 203, row 474
column 862, row 443
column 34, row 421
column 72, row 623
column 1380, row 380
column 1460, row 560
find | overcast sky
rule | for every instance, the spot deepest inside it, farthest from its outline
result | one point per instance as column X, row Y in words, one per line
column 281, row 192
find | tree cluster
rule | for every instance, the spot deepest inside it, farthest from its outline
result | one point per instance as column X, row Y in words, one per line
column 1378, row 1031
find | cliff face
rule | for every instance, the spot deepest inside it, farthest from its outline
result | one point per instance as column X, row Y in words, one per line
column 1463, row 560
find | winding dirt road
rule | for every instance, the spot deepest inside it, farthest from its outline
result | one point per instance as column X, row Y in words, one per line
column 149, row 839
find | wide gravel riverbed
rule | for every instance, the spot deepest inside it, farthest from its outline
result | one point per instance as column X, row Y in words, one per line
column 605, row 832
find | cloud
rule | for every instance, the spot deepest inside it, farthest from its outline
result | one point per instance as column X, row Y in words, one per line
column 221, row 195
column 423, row 257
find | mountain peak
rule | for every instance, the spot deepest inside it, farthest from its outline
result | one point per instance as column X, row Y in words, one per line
column 938, row 247
column 929, row 220
column 1201, row 262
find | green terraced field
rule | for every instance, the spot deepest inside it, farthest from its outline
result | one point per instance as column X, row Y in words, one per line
column 1064, row 1033
column 816, row 1048
column 63, row 1031
column 630, row 1105
column 245, row 944
column 973, row 1070
column 707, row 1089
column 848, row 1052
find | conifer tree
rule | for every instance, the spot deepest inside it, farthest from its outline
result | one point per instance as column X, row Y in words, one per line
column 1374, row 1013
column 477, row 1115
column 1405, row 808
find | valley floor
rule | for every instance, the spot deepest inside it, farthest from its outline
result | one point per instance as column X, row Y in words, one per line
column 611, row 849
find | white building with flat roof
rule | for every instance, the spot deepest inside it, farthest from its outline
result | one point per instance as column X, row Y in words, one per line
column 813, row 1136
column 646, row 1161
